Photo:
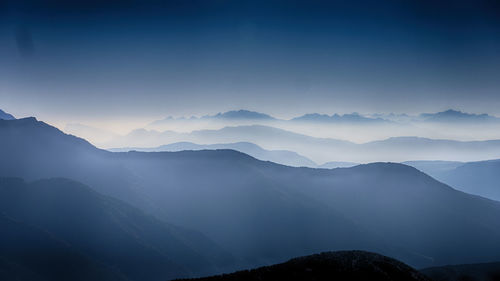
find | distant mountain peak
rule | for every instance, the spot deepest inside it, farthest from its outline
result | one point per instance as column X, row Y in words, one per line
column 348, row 118
column 241, row 114
column 238, row 115
column 456, row 115
column 6, row 116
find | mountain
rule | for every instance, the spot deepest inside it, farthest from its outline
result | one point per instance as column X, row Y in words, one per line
column 5, row 116
column 343, row 265
column 334, row 164
column 345, row 118
column 321, row 150
column 447, row 116
column 432, row 149
column 240, row 114
column 31, row 254
column 469, row 272
column 106, row 230
column 284, row 157
column 451, row 115
column 264, row 136
column 233, row 115
column 480, row 178
column 264, row 213
column 434, row 168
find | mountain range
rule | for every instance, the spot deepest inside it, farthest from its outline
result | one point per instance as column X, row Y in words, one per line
column 284, row 157
column 122, row 239
column 449, row 115
column 456, row 116
column 321, row 150
column 279, row 134
column 262, row 213
column 480, row 178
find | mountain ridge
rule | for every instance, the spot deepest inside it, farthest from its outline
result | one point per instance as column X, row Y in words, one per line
column 107, row 230
column 388, row 208
column 341, row 265
column 6, row 116
column 284, row 157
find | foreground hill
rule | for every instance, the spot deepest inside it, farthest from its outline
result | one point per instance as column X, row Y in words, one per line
column 265, row 213
column 104, row 230
column 469, row 272
column 31, row 254
column 343, row 265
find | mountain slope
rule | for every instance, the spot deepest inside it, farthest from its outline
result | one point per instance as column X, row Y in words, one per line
column 469, row 272
column 386, row 200
column 107, row 230
column 480, row 178
column 284, row 157
column 228, row 196
column 266, row 213
column 412, row 209
column 344, row 265
column 30, row 254
column 33, row 150
column 6, row 116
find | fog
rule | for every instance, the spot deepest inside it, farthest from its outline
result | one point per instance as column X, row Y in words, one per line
column 346, row 138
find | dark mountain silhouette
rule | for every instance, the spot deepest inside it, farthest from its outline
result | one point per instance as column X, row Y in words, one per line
column 462, row 272
column 480, row 178
column 343, row 265
column 284, row 157
column 5, row 116
column 265, row 213
column 104, row 229
column 31, row 254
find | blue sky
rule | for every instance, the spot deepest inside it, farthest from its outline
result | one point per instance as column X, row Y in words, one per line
column 146, row 59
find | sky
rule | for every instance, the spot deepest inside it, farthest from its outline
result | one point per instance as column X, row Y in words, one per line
column 83, row 61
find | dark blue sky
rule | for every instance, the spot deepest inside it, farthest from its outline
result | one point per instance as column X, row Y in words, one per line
column 88, row 59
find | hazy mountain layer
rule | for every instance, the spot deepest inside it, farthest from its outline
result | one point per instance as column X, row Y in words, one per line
column 354, row 127
column 264, row 213
column 284, row 157
column 105, row 230
column 480, row 178
column 321, row 150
